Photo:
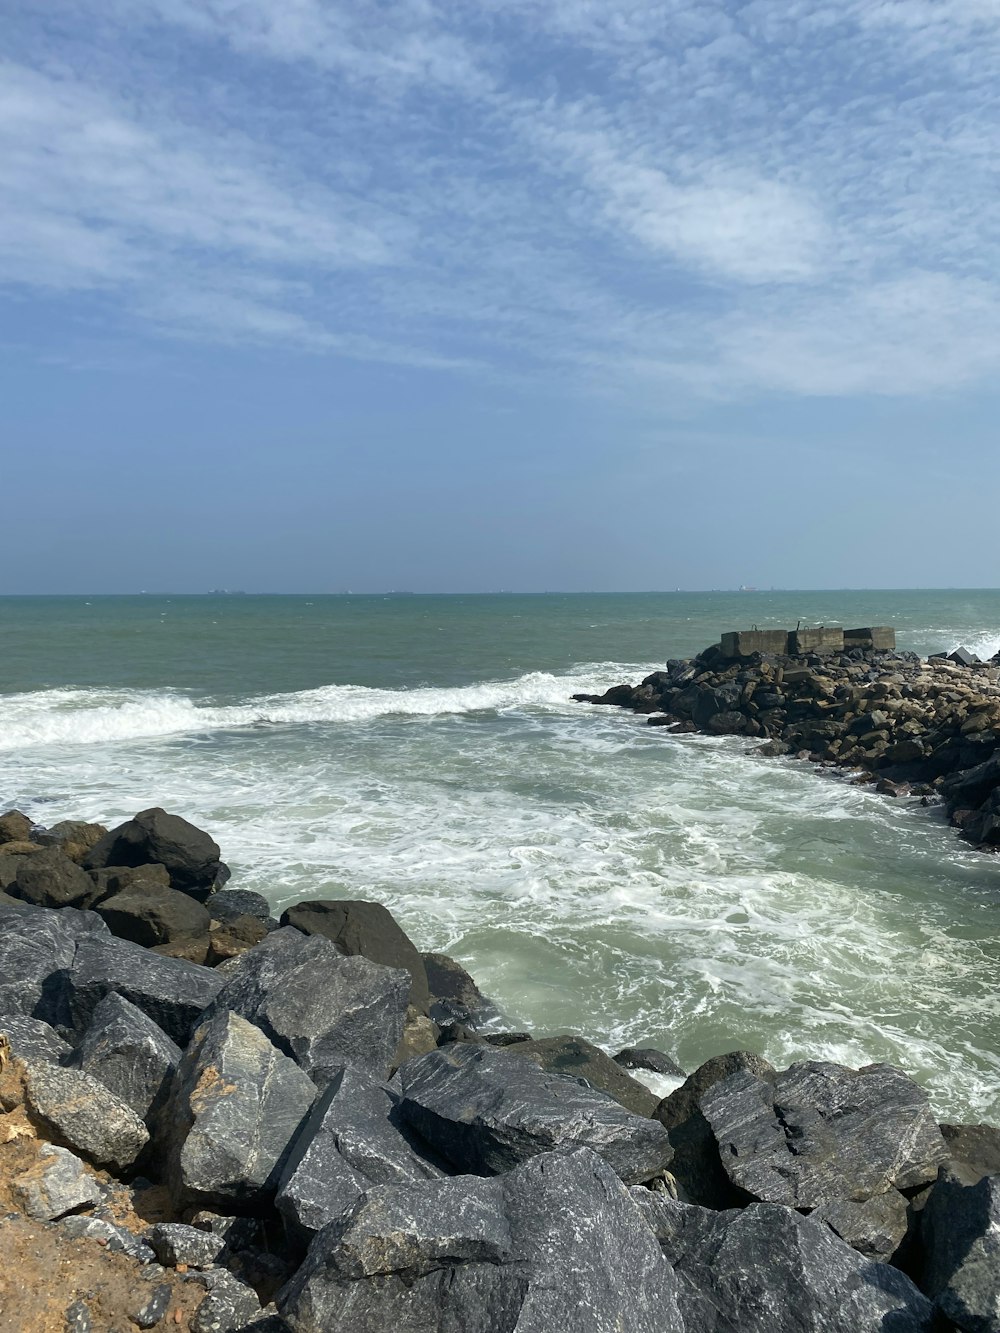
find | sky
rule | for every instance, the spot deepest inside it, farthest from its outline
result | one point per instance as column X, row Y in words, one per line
column 303, row 295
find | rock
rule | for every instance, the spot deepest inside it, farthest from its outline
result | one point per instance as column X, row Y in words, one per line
column 364, row 928
column 971, row 786
column 962, row 657
column 229, row 904
column 876, row 1227
column 973, row 1151
column 129, row 1054
column 151, row 1307
column 50, row 879
column 190, row 855
column 57, row 1184
column 174, row 1243
column 73, row 837
column 235, row 1108
column 108, row 1234
column 556, row 1244
column 454, row 996
column 648, row 1057
column 229, row 1306
column 14, row 827
column 581, row 1059
column 420, row 1035
column 960, row 1233
column 119, row 879
column 320, row 1007
column 487, row 1110
column 235, row 937
column 354, row 1139
column 820, row 1132
column 85, row 1114
column 766, row 1269
column 37, row 949
column 190, row 949
column 10, row 864
column 78, row 1318
column 170, row 991
column 151, row 916
column 32, row 1039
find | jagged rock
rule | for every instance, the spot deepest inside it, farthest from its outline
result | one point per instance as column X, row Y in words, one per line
column 57, row 1184
column 150, row 1307
column 875, row 1227
column 454, row 996
column 37, row 949
column 973, row 1151
column 229, row 1306
column 235, row 937
column 239, row 1233
column 33, row 1039
column 129, row 1053
column 78, row 1318
column 85, row 1114
column 582, row 1059
column 10, row 864
column 766, row 1269
column 235, row 1108
column 364, row 928
column 485, row 1110
column 353, row 1139
column 14, row 827
column 170, row 991
column 820, row 1132
column 648, row 1057
column 110, row 1235
column 228, row 904
column 151, row 916
column 420, row 1035
column 153, row 836
column 50, row 879
column 960, row 1233
column 73, row 837
column 320, row 1007
column 190, row 949
column 120, row 879
column 174, row 1243
column 556, row 1243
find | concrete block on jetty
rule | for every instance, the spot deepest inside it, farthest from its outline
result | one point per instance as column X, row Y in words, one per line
column 820, row 639
column 813, row 639
column 746, row 642
column 877, row 638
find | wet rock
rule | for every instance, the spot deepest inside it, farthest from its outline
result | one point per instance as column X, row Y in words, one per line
column 129, row 1054
column 354, row 1139
column 454, row 996
column 170, row 991
column 229, row 1306
column 320, row 1007
column 110, row 1235
column 14, row 827
column 57, row 1184
column 73, row 837
column 32, row 1039
column 648, row 1057
column 229, row 904
column 820, row 1132
column 876, row 1227
column 556, row 1243
column 766, row 1269
column 85, row 1114
column 174, row 1243
column 235, row 1108
column 190, row 855
column 50, row 879
column 487, row 1110
column 154, row 915
column 582, row 1059
column 960, row 1233
column 368, row 929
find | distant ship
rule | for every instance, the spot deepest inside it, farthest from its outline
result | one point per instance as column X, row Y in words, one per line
column 747, row 587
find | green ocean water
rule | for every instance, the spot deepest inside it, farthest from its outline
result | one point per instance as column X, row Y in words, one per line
column 594, row 874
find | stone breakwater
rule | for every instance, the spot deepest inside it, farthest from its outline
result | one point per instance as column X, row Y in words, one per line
column 928, row 729
column 213, row 1120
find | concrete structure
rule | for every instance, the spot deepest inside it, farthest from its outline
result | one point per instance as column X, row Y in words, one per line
column 881, row 638
column 746, row 642
column 813, row 639
column 820, row 639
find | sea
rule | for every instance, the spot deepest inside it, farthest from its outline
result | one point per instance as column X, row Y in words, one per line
column 595, row 875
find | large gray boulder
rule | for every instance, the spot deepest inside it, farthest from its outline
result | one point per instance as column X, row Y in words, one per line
column 767, row 1269
column 352, row 1140
column 318, row 1006
column 580, row 1058
column 454, row 995
column 56, row 1185
column 189, row 854
column 85, row 1114
column 33, row 1039
column 820, row 1132
column 235, row 1108
column 486, row 1111
column 876, row 1227
column 129, row 1053
column 960, row 1233
column 37, row 950
column 556, row 1244
column 151, row 915
column 171, row 991
column 50, row 879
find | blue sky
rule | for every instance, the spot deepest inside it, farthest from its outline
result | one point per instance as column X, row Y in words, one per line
column 308, row 295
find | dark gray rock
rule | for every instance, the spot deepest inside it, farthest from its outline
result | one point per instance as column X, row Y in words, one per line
column 153, row 836
column 555, row 1244
column 50, row 879
column 85, row 1114
column 486, row 1111
column 172, row 992
column 579, row 1058
column 150, row 1308
column 78, row 1318
column 973, row 1151
column 229, row 1306
column 121, row 879
column 174, row 1243
column 960, row 1233
column 454, row 996
column 820, row 1132
column 766, row 1269
column 239, row 1233
column 110, row 1235
column 648, row 1057
column 229, row 904
column 352, row 1140
column 154, row 915
column 364, row 928
column 56, row 1185
column 73, row 837
column 876, row 1227
column 320, row 1007
column 33, row 1039
column 235, row 1108
column 14, row 827
column 129, row 1053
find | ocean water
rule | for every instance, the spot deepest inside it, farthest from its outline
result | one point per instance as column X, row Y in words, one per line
column 594, row 874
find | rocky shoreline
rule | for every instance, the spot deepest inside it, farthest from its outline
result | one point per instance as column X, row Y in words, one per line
column 928, row 729
column 212, row 1120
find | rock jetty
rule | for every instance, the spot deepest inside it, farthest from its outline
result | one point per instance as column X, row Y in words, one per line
column 212, row 1120
column 847, row 700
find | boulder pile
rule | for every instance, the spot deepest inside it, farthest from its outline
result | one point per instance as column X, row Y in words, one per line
column 924, row 728
column 212, row 1120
